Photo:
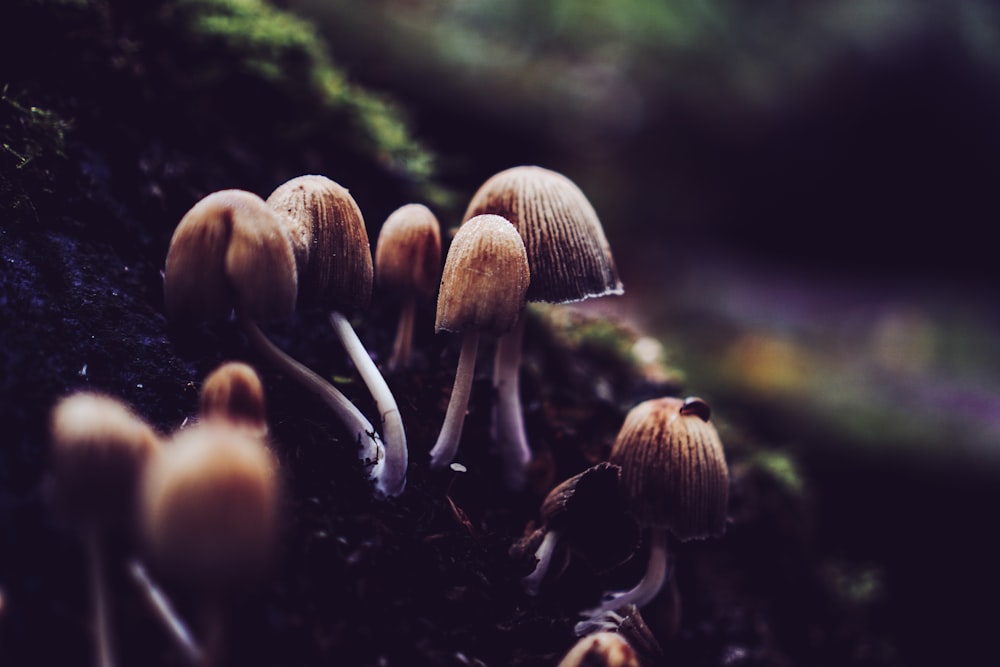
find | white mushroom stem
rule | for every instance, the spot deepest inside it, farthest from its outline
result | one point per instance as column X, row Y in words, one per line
column 390, row 470
column 349, row 414
column 402, row 346
column 164, row 611
column 508, row 420
column 443, row 452
column 533, row 582
column 640, row 594
column 99, row 596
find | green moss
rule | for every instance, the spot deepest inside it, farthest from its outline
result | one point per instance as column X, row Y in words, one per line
column 782, row 468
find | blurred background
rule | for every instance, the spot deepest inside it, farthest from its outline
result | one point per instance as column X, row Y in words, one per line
column 799, row 196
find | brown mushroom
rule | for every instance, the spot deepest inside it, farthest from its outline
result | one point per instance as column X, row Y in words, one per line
column 408, row 263
column 674, row 479
column 234, row 392
column 335, row 269
column 99, row 450
column 483, row 284
column 570, row 260
column 601, row 649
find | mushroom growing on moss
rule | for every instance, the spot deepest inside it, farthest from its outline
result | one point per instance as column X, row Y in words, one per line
column 99, row 450
column 230, row 253
column 674, row 479
column 210, row 516
column 408, row 263
column 334, row 261
column 570, row 260
column 483, row 284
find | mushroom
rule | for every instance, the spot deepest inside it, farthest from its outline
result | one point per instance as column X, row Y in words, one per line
column 675, row 480
column 483, row 284
column 230, row 253
column 99, row 448
column 234, row 392
column 408, row 263
column 601, row 649
column 570, row 260
column 209, row 516
column 586, row 514
column 334, row 262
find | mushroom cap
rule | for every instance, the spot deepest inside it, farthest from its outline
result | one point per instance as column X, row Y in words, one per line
column 99, row 449
column 229, row 251
column 330, row 242
column 234, row 392
column 210, row 504
column 485, row 277
column 408, row 251
column 601, row 649
column 674, row 470
column 568, row 253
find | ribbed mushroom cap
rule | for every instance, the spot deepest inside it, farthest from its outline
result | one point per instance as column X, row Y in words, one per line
column 601, row 649
column 569, row 256
column 485, row 277
column 99, row 449
column 210, row 504
column 408, row 251
column 674, row 471
column 234, row 392
column 330, row 241
column 229, row 251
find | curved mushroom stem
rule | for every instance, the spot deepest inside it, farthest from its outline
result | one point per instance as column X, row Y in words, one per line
column 390, row 471
column 349, row 414
column 402, row 346
column 533, row 582
column 640, row 594
column 165, row 612
column 99, row 596
column 446, row 446
column 508, row 420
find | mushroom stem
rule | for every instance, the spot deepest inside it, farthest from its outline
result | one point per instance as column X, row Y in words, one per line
column 165, row 612
column 402, row 346
column 99, row 596
column 349, row 414
column 446, row 446
column 213, row 623
column 640, row 594
column 508, row 420
column 533, row 582
column 390, row 470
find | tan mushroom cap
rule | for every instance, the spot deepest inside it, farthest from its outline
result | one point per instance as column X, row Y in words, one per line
column 408, row 251
column 485, row 277
column 234, row 392
column 229, row 251
column 568, row 253
column 674, row 470
column 210, row 505
column 601, row 649
column 99, row 449
column 330, row 242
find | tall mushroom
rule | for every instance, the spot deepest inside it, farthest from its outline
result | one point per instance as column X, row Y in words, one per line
column 674, row 479
column 99, row 450
column 483, row 284
column 408, row 263
column 229, row 253
column 570, row 260
column 334, row 263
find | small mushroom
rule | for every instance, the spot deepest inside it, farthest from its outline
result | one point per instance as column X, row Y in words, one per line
column 674, row 479
column 210, row 514
column 99, row 449
column 234, row 392
column 230, row 253
column 334, row 263
column 408, row 263
column 570, row 260
column 483, row 284
column 601, row 649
